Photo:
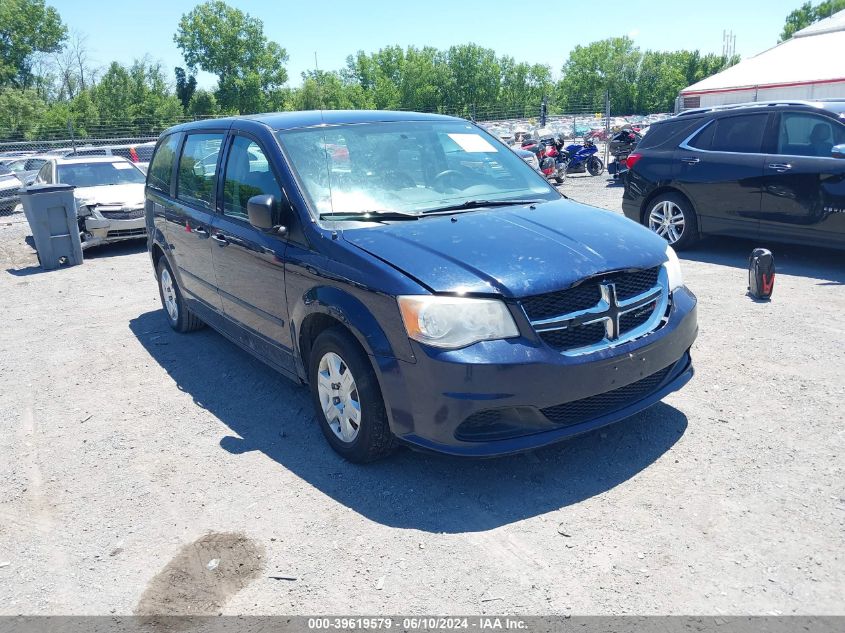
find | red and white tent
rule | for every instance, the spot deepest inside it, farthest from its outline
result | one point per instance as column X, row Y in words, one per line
column 810, row 65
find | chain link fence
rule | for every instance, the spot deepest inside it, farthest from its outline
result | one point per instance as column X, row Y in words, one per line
column 571, row 121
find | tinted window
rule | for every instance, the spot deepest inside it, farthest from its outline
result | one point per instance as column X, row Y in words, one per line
column 161, row 169
column 95, row 174
column 808, row 135
column 247, row 174
column 197, row 167
column 676, row 129
column 742, row 134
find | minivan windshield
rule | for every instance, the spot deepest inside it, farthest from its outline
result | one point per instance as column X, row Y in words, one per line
column 93, row 174
column 408, row 167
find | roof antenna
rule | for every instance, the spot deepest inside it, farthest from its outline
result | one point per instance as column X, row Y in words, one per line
column 319, row 87
column 324, row 148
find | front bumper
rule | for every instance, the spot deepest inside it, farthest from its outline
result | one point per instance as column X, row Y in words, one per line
column 100, row 230
column 500, row 397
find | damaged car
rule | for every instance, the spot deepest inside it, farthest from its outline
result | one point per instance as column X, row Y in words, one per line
column 109, row 193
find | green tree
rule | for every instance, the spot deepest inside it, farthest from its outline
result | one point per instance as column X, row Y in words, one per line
column 231, row 44
column 27, row 27
column 113, row 94
column 20, row 113
column 475, row 78
column 607, row 65
column 186, row 85
column 203, row 103
column 138, row 97
column 523, row 86
column 807, row 14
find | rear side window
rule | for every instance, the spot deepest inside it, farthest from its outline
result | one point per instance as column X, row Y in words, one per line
column 739, row 134
column 197, row 167
column 161, row 169
column 677, row 129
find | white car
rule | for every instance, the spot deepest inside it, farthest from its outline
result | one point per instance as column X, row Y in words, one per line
column 137, row 153
column 109, row 196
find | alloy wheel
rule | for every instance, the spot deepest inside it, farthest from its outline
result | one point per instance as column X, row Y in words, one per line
column 339, row 397
column 168, row 292
column 667, row 220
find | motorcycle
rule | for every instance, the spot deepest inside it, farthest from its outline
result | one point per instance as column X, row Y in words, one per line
column 553, row 161
column 621, row 145
column 581, row 158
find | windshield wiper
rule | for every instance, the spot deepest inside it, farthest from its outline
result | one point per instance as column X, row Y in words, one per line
column 369, row 216
column 478, row 204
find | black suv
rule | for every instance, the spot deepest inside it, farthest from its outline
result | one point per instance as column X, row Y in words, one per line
column 766, row 170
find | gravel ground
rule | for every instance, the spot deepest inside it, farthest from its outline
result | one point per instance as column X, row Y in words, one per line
column 149, row 472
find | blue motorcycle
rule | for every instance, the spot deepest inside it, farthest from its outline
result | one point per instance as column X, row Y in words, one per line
column 581, row 158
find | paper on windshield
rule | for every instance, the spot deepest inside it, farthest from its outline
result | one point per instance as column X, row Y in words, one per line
column 473, row 143
column 122, row 165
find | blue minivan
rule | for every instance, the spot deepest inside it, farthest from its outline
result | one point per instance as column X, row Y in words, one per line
column 428, row 285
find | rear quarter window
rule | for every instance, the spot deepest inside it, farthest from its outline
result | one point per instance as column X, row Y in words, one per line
column 161, row 168
column 669, row 132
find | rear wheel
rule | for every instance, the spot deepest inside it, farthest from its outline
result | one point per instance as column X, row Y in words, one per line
column 671, row 216
column 347, row 398
column 595, row 166
column 178, row 315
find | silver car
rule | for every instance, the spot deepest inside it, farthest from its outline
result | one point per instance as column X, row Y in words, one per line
column 109, row 194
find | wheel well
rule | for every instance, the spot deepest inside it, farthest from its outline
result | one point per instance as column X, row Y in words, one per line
column 311, row 328
column 659, row 192
column 157, row 254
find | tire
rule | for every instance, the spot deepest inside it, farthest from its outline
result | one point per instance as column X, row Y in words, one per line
column 595, row 166
column 178, row 315
column 680, row 233
column 335, row 355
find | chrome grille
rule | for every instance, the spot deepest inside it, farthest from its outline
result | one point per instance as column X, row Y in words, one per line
column 601, row 311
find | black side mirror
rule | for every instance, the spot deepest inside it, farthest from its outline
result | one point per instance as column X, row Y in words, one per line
column 260, row 212
column 838, row 151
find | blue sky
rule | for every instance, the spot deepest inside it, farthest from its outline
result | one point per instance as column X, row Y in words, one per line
column 123, row 30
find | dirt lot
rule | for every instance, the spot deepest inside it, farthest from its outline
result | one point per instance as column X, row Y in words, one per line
column 146, row 471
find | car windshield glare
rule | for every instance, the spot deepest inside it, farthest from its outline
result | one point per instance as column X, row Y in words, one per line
column 409, row 167
column 100, row 173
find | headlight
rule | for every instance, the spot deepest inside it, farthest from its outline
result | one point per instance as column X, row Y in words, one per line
column 673, row 269
column 452, row 322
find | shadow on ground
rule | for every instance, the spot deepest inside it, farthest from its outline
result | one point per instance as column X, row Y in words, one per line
column 118, row 249
column 813, row 262
column 270, row 414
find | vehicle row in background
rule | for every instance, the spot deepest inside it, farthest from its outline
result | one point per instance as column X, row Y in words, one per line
column 764, row 170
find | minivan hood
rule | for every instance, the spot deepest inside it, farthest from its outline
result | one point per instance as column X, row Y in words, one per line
column 513, row 251
column 128, row 195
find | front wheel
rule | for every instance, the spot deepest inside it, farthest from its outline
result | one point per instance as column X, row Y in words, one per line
column 671, row 216
column 595, row 166
column 347, row 397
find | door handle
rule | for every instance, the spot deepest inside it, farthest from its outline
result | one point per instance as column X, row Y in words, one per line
column 220, row 239
column 780, row 166
column 199, row 231
column 689, row 160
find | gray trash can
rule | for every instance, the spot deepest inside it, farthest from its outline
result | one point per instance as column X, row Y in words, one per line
column 51, row 213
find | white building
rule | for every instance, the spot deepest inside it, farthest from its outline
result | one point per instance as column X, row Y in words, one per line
column 810, row 65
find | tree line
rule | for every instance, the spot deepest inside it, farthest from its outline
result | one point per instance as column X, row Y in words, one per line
column 47, row 80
